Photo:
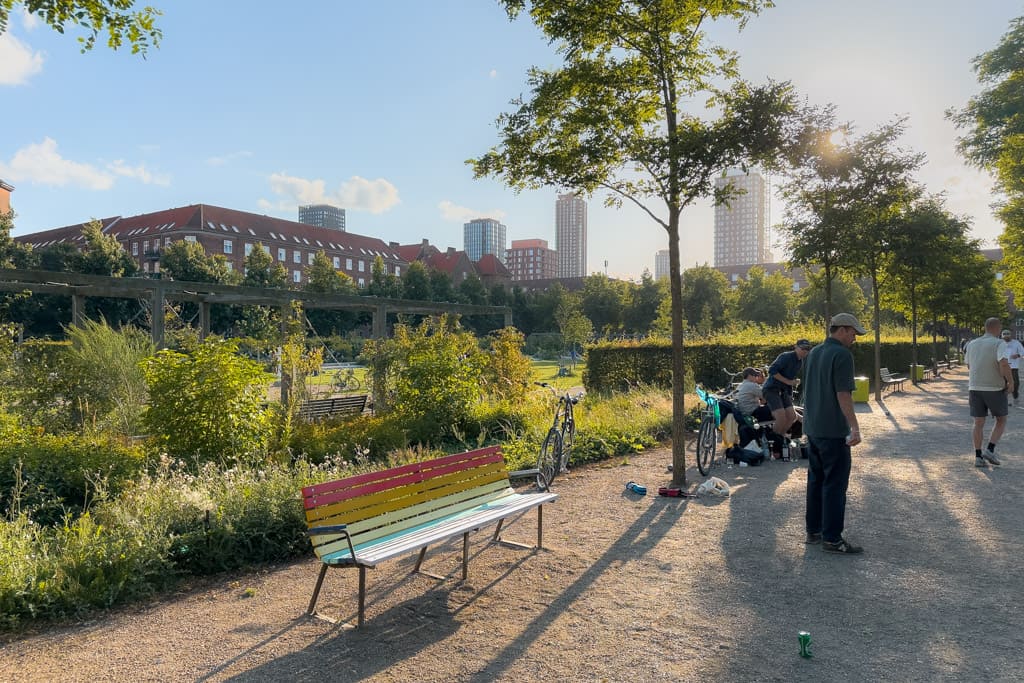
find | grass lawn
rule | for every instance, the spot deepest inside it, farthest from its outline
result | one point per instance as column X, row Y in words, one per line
column 547, row 371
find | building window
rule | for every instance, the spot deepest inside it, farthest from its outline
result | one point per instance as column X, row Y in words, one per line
column 348, row 264
column 398, row 271
column 135, row 248
column 248, row 248
column 228, row 247
column 296, row 256
column 190, row 238
column 362, row 283
column 145, row 266
column 311, row 257
column 145, row 246
column 282, row 255
column 167, row 241
column 296, row 276
column 266, row 249
column 362, row 266
column 230, row 265
column 337, row 262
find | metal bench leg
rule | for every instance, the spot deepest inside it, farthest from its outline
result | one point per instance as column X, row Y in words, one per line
column 540, row 526
column 465, row 556
column 497, row 530
column 419, row 563
column 362, row 595
column 316, row 591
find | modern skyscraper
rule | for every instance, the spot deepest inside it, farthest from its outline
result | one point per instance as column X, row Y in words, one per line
column 571, row 235
column 484, row 236
column 661, row 264
column 531, row 260
column 323, row 216
column 742, row 235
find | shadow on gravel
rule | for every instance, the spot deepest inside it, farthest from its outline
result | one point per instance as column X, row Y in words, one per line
column 935, row 594
column 405, row 629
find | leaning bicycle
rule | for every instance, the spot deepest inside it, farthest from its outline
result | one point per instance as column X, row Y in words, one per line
column 557, row 447
column 707, row 435
column 345, row 381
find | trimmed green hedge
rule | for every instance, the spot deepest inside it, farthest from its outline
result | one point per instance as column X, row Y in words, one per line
column 617, row 366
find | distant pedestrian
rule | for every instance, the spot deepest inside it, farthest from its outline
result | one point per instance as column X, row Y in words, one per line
column 830, row 424
column 1014, row 352
column 989, row 381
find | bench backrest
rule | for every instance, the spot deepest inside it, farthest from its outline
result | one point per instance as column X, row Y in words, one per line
column 378, row 504
column 339, row 405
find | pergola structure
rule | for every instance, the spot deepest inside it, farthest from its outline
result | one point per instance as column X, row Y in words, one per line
column 159, row 291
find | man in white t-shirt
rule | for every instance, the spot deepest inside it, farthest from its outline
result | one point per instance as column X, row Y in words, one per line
column 989, row 382
column 1014, row 352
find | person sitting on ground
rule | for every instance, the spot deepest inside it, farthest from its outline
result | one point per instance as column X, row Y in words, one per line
column 750, row 403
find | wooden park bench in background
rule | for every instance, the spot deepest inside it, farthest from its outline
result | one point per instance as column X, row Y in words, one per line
column 891, row 381
column 366, row 519
column 320, row 408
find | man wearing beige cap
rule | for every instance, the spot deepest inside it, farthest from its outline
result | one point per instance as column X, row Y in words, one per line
column 830, row 424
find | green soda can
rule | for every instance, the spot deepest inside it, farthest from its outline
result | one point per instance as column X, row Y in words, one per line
column 805, row 644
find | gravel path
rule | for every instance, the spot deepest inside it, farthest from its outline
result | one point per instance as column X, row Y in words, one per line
column 638, row 588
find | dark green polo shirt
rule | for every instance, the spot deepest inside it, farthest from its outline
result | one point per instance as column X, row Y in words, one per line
column 828, row 369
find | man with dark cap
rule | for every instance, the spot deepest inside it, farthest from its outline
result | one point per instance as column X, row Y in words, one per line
column 830, row 424
column 778, row 389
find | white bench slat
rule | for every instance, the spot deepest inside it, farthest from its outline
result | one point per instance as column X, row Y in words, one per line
column 387, row 548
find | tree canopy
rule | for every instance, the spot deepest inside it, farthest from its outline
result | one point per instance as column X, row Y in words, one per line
column 119, row 19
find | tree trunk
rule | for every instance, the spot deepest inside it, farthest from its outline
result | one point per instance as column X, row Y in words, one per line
column 878, row 335
column 678, row 373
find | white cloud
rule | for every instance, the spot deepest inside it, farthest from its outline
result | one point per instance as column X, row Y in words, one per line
column 463, row 214
column 140, row 172
column 493, row 73
column 28, row 20
column 227, row 158
column 18, row 62
column 356, row 194
column 41, row 163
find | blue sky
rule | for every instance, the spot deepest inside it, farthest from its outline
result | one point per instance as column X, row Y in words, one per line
column 261, row 106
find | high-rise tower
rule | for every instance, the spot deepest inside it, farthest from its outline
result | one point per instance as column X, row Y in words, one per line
column 483, row 236
column 571, row 235
column 742, row 234
column 323, row 216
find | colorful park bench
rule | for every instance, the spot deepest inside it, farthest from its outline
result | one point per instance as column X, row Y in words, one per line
column 363, row 520
column 315, row 409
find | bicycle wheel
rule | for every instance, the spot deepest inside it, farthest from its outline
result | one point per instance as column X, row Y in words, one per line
column 706, row 442
column 568, row 438
column 549, row 458
column 353, row 383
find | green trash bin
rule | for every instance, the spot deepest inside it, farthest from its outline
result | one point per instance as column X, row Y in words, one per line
column 862, row 390
column 917, row 373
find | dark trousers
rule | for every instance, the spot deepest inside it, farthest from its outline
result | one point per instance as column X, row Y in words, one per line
column 1016, row 382
column 828, row 476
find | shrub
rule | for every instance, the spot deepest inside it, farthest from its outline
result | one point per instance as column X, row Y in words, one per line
column 46, row 476
column 430, row 374
column 208, row 404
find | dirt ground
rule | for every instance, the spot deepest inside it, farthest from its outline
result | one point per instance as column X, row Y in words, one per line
column 638, row 588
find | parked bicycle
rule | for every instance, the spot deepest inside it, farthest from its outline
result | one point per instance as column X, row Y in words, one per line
column 707, row 435
column 345, row 381
column 556, row 450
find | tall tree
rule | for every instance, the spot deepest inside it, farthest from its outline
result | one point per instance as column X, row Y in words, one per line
column 416, row 282
column 923, row 247
column 705, row 293
column 644, row 300
column 116, row 18
column 994, row 139
column 844, row 295
column 602, row 302
column 881, row 190
column 383, row 283
column 763, row 298
column 613, row 118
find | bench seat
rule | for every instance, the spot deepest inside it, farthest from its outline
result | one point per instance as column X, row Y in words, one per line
column 890, row 380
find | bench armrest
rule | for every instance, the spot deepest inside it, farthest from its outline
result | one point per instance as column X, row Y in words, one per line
column 323, row 530
column 334, row 529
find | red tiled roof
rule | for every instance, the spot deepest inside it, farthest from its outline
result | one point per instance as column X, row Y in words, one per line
column 490, row 265
column 228, row 222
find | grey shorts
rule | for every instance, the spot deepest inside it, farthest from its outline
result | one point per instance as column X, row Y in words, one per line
column 984, row 402
column 778, row 400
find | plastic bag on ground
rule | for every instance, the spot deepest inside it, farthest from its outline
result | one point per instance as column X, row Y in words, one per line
column 713, row 486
